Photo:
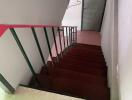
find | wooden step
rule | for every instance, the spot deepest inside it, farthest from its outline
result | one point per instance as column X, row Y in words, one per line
column 80, row 88
column 83, row 63
column 91, row 70
column 85, row 56
column 81, row 72
column 87, row 65
column 87, row 46
column 78, row 58
column 75, row 87
column 64, row 73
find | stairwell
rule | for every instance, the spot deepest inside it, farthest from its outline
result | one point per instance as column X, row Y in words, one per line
column 79, row 71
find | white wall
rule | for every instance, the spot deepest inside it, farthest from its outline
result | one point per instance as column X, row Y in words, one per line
column 109, row 45
column 72, row 16
column 2, row 94
column 12, row 64
column 125, row 49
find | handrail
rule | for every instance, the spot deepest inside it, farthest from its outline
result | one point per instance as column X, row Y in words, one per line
column 4, row 27
column 70, row 39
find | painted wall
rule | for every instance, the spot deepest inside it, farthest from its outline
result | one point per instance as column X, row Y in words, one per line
column 72, row 16
column 109, row 43
column 12, row 64
column 3, row 95
column 125, row 49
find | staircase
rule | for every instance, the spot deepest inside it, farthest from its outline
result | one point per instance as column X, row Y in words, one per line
column 77, row 69
column 81, row 72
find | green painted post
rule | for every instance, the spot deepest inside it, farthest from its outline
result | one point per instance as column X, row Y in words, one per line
column 60, row 40
column 71, row 35
column 76, row 33
column 22, row 50
column 63, row 37
column 6, row 84
column 67, row 36
column 54, row 37
column 48, row 43
column 38, row 45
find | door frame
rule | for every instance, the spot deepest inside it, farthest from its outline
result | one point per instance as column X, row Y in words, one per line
column 83, row 12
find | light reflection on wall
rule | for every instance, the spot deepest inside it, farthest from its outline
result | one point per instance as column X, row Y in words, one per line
column 2, row 94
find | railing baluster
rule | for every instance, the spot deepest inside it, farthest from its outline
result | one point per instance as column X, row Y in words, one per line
column 67, row 35
column 54, row 37
column 76, row 33
column 60, row 40
column 6, row 84
column 71, row 35
column 48, row 43
column 63, row 37
column 22, row 50
column 38, row 45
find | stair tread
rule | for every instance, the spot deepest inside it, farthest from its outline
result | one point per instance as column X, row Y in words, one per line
column 77, row 68
column 83, row 59
column 87, row 46
column 76, row 87
column 78, row 75
column 88, row 65
column 84, row 56
column 81, row 71
column 83, row 63
column 99, row 52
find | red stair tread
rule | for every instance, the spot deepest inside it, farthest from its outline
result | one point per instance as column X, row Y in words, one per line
column 83, row 53
column 84, row 59
column 88, row 64
column 81, row 72
column 87, row 46
column 77, row 87
column 85, row 49
column 90, row 70
column 81, row 62
column 63, row 73
column 85, row 56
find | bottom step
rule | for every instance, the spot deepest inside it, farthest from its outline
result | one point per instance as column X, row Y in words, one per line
column 74, row 88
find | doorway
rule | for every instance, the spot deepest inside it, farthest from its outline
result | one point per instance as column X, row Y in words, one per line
column 92, row 14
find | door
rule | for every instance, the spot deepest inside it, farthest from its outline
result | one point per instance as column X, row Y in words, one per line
column 92, row 14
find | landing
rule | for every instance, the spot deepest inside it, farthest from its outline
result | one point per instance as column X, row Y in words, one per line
column 89, row 37
column 23, row 93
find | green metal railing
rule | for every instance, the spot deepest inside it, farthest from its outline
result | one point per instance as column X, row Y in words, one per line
column 66, row 35
column 6, row 84
column 38, row 45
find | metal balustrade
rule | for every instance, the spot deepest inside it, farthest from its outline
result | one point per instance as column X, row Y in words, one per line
column 67, row 37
